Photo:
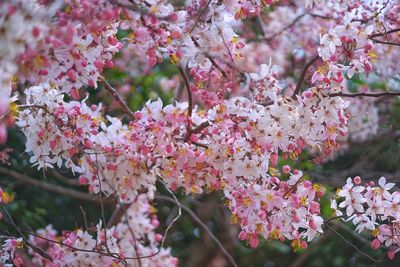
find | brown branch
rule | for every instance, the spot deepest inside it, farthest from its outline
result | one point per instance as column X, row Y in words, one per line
column 200, row 127
column 189, row 92
column 200, row 16
column 174, row 220
column 51, row 187
column 375, row 15
column 62, row 178
column 385, row 42
column 290, row 25
column 384, row 33
column 202, row 225
column 213, row 62
column 303, row 74
column 178, row 94
column 28, row 243
column 200, row 145
column 270, row 38
column 118, row 98
column 117, row 215
column 351, row 244
column 366, row 94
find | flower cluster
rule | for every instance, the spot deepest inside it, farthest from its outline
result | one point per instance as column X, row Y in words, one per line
column 56, row 130
column 277, row 209
column 345, row 47
column 8, row 255
column 134, row 239
column 265, row 83
column 237, row 123
column 21, row 24
column 75, row 49
column 372, row 207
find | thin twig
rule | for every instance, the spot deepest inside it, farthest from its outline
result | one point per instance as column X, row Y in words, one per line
column 351, row 244
column 27, row 242
column 50, row 187
column 270, row 38
column 200, row 127
column 133, row 236
column 118, row 98
column 213, row 62
column 84, row 217
column 189, row 91
column 303, row 74
column 366, row 94
column 384, row 33
column 200, row 16
column 375, row 15
column 385, row 42
column 176, row 218
column 117, row 215
column 202, row 225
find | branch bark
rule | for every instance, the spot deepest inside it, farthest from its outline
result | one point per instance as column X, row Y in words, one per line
column 118, row 98
column 202, row 225
column 366, row 94
column 189, row 92
column 303, row 74
column 52, row 187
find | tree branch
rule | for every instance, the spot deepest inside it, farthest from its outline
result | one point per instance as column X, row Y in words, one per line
column 303, row 74
column 189, row 92
column 200, row 16
column 51, row 187
column 385, row 42
column 351, row 244
column 118, row 98
column 384, row 33
column 200, row 127
column 366, row 94
column 202, row 225
column 213, row 62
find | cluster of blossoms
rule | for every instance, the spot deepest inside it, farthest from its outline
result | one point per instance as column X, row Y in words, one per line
column 345, row 48
column 363, row 125
column 285, row 125
column 372, row 207
column 124, row 159
column 243, row 124
column 71, row 51
column 163, row 32
column 20, row 27
column 19, row 22
column 265, row 83
column 75, row 48
column 134, row 239
column 277, row 209
column 8, row 255
column 56, row 130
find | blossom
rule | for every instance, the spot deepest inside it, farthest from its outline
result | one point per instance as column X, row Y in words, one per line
column 381, row 215
column 139, row 220
column 8, row 255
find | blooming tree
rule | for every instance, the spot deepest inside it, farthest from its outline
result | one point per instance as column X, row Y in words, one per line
column 256, row 82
